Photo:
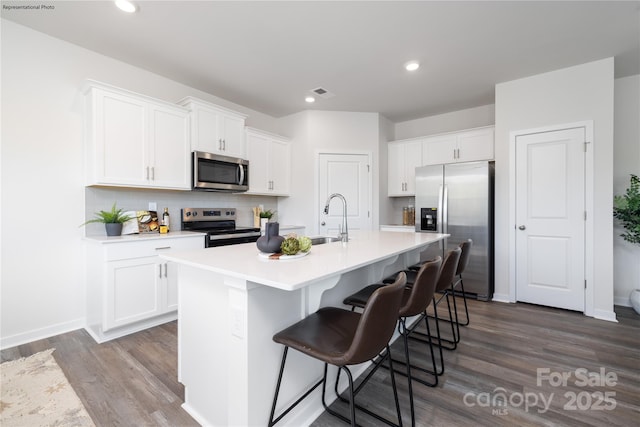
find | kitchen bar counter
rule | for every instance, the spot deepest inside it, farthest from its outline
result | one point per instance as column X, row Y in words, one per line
column 232, row 301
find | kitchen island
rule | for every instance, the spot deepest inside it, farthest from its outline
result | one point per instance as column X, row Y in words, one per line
column 232, row 301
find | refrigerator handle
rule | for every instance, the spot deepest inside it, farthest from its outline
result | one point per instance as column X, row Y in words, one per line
column 445, row 210
column 439, row 215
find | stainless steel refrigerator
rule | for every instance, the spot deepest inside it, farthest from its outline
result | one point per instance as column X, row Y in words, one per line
column 457, row 199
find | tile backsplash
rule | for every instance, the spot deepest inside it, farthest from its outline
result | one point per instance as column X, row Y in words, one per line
column 132, row 199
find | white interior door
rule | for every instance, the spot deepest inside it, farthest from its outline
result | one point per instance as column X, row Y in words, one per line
column 550, row 218
column 349, row 175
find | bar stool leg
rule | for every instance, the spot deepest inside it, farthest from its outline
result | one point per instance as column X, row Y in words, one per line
column 275, row 396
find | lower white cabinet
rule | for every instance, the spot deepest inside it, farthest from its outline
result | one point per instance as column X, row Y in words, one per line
column 130, row 287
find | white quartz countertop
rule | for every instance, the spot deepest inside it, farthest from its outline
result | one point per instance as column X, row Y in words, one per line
column 364, row 248
column 140, row 237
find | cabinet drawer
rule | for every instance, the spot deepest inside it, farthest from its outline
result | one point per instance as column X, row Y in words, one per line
column 127, row 250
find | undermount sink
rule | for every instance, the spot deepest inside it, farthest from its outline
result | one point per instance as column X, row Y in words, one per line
column 321, row 240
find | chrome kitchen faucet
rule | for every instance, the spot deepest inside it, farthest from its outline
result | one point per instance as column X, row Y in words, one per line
column 344, row 231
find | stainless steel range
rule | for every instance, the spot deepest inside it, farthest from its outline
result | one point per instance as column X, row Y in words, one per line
column 219, row 224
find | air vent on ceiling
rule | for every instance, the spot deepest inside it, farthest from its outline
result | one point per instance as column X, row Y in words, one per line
column 322, row 93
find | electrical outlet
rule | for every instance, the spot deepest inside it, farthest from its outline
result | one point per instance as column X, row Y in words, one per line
column 153, row 206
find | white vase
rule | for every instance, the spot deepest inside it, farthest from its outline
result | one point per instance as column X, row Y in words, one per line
column 263, row 222
column 634, row 297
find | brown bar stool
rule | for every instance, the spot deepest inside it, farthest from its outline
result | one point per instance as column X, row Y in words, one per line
column 462, row 265
column 415, row 301
column 341, row 337
column 445, row 283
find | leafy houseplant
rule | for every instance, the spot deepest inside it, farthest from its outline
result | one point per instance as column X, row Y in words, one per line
column 112, row 220
column 626, row 209
column 267, row 214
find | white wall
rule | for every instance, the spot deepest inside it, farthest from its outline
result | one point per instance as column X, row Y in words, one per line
column 385, row 212
column 43, row 198
column 626, row 161
column 324, row 131
column 583, row 92
column 447, row 122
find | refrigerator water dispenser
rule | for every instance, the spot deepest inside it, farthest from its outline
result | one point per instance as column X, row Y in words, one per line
column 429, row 219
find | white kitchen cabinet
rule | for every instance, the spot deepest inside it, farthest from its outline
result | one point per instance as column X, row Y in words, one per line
column 135, row 141
column 465, row 146
column 403, row 158
column 129, row 287
column 269, row 158
column 215, row 129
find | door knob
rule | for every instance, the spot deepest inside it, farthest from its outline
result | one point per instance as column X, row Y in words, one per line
column 522, row 227
column 323, row 223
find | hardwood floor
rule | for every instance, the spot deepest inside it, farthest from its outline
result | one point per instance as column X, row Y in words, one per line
column 132, row 380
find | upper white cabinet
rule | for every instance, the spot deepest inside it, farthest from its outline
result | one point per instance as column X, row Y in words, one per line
column 403, row 158
column 135, row 141
column 269, row 158
column 215, row 129
column 466, row 146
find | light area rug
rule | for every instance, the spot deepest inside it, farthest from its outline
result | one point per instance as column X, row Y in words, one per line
column 35, row 392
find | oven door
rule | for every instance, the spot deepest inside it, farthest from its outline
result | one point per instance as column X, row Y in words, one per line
column 213, row 172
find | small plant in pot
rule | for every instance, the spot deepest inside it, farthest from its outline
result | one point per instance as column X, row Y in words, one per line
column 112, row 220
column 626, row 208
column 267, row 214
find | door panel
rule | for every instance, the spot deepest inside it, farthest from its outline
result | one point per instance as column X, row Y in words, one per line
column 469, row 197
column 347, row 174
column 550, row 212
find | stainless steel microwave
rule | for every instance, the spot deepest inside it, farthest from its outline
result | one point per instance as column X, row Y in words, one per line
column 213, row 172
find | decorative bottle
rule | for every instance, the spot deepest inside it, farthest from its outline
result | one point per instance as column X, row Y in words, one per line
column 165, row 218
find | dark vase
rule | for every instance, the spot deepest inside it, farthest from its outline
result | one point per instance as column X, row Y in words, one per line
column 271, row 240
column 113, row 228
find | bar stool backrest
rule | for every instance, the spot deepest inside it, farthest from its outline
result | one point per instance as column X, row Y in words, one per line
column 423, row 288
column 464, row 257
column 448, row 270
column 377, row 322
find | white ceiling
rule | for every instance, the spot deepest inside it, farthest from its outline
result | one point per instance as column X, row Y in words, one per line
column 267, row 55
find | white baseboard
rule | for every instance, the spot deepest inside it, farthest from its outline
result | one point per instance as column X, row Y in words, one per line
column 607, row 315
column 38, row 334
column 623, row 301
column 501, row 298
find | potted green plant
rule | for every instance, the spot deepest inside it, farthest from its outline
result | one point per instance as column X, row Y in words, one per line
column 265, row 216
column 112, row 220
column 626, row 208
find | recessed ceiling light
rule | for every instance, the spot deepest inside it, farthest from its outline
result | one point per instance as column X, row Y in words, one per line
column 126, row 6
column 310, row 99
column 412, row 65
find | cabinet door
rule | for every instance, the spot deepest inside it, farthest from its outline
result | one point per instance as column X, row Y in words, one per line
column 170, row 271
column 169, row 144
column 133, row 291
column 204, row 131
column 475, row 145
column 412, row 159
column 258, row 156
column 280, row 167
column 120, row 135
column 439, row 149
column 232, row 135
column 395, row 185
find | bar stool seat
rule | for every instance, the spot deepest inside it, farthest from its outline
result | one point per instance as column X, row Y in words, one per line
column 342, row 338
